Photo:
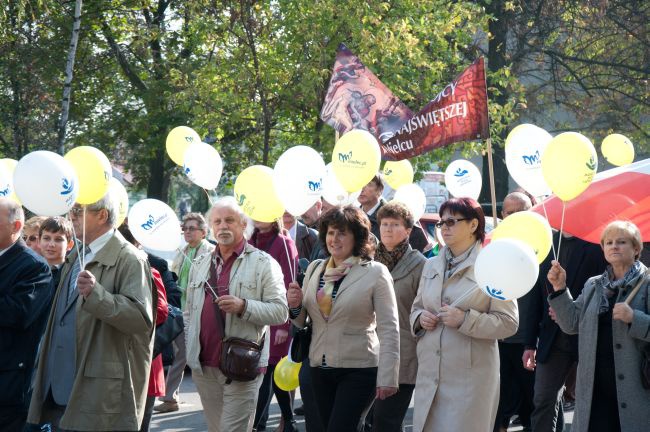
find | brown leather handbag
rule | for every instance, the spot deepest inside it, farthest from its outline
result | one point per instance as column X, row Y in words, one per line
column 240, row 358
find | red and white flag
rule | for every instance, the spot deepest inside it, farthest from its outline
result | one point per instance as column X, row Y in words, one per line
column 621, row 193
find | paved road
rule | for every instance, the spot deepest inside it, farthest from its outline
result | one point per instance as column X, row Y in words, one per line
column 190, row 417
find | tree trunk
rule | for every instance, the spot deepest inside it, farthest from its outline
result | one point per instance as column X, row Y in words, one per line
column 69, row 68
column 497, row 60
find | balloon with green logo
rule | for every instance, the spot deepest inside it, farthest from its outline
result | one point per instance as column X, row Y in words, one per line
column 255, row 193
column 93, row 170
column 398, row 173
column 356, row 159
column 569, row 164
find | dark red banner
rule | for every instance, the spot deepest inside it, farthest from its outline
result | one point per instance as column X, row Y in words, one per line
column 458, row 113
column 356, row 99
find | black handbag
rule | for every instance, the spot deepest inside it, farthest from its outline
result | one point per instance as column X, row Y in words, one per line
column 169, row 330
column 300, row 343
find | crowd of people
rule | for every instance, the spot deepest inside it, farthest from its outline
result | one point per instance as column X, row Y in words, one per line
column 384, row 325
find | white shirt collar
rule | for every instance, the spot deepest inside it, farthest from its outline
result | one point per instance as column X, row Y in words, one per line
column 292, row 231
column 96, row 245
column 374, row 209
column 2, row 251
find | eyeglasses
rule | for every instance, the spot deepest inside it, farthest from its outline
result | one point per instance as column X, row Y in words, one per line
column 449, row 222
column 190, row 229
column 76, row 211
column 31, row 238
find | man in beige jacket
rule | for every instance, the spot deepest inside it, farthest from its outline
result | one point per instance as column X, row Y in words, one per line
column 247, row 286
column 96, row 353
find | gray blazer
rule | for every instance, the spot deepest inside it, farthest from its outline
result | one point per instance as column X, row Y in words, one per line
column 581, row 317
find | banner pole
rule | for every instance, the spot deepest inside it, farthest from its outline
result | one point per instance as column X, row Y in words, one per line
column 492, row 188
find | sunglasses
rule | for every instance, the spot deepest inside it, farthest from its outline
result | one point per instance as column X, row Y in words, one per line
column 449, row 222
column 31, row 238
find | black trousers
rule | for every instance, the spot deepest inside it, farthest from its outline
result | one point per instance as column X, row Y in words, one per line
column 517, row 386
column 267, row 390
column 313, row 422
column 343, row 395
column 389, row 413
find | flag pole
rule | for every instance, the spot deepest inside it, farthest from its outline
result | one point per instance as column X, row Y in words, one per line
column 492, row 188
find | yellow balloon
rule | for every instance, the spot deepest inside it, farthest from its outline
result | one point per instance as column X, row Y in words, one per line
column 93, row 170
column 255, row 194
column 178, row 140
column 569, row 164
column 355, row 159
column 121, row 197
column 10, row 165
column 618, row 149
column 285, row 374
column 528, row 227
column 398, row 173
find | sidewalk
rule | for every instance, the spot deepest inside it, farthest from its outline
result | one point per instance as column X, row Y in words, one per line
column 190, row 417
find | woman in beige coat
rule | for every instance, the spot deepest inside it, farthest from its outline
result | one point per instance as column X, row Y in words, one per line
column 405, row 264
column 354, row 350
column 457, row 326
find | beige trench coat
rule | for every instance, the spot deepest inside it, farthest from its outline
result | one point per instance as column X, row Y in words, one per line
column 114, row 343
column 457, row 386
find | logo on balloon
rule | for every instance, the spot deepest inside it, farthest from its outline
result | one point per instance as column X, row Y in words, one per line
column 493, row 292
column 189, row 139
column 315, row 186
column 591, row 164
column 152, row 222
column 389, row 172
column 186, row 170
column 5, row 191
column 240, row 199
column 344, row 157
column 534, row 159
column 460, row 172
column 68, row 186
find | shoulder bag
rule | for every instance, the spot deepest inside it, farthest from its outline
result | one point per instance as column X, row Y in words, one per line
column 645, row 351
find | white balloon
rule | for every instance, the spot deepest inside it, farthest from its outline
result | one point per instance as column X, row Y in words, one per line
column 413, row 196
column 298, row 178
column 155, row 225
column 463, row 179
column 333, row 192
column 524, row 149
column 46, row 183
column 203, row 165
column 506, row 269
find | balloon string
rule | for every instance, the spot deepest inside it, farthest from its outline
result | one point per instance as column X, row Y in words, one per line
column 292, row 268
column 552, row 242
column 83, row 240
column 559, row 243
column 464, row 296
column 207, row 282
column 76, row 243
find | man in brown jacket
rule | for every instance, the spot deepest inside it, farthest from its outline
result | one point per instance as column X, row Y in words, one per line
column 96, row 352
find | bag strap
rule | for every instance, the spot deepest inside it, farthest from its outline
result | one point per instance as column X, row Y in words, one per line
column 636, row 288
column 308, row 275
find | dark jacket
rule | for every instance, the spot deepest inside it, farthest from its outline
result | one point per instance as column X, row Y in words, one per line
column 583, row 260
column 306, row 240
column 25, row 298
column 168, row 277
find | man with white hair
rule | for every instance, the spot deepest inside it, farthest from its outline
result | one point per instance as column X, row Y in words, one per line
column 96, row 354
column 237, row 291
column 25, row 296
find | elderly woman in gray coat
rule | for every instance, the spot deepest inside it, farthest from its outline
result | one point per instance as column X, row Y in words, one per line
column 613, row 327
column 395, row 222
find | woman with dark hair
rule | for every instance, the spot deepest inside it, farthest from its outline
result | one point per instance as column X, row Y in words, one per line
column 354, row 351
column 405, row 264
column 270, row 237
column 611, row 317
column 457, row 328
